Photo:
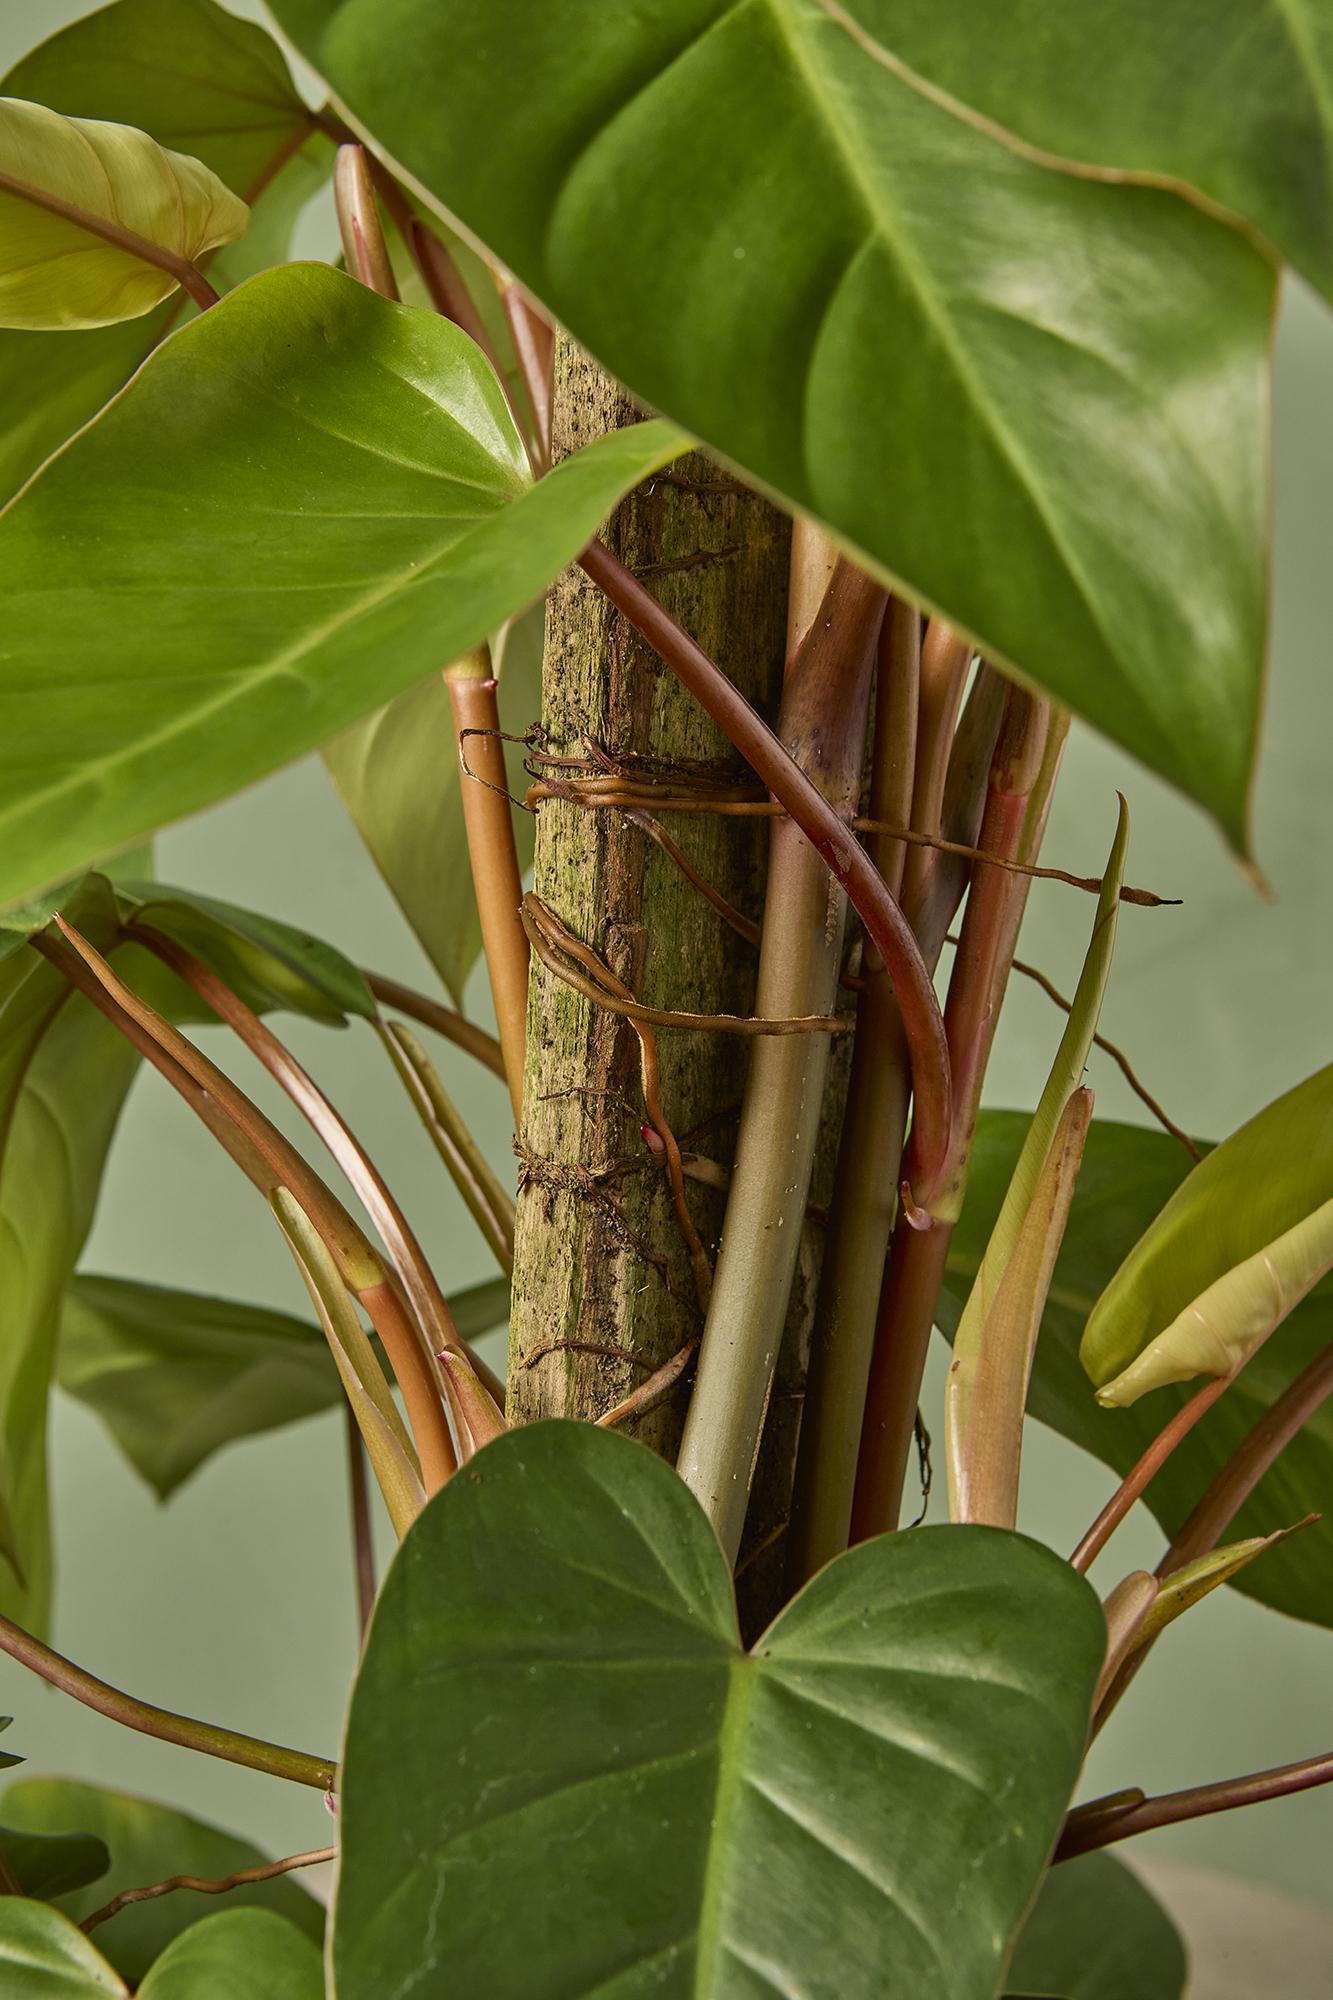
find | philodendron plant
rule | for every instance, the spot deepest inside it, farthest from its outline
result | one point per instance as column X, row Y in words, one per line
column 958, row 319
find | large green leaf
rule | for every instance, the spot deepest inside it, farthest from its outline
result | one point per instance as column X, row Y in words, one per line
column 1096, row 1933
column 1235, row 1249
column 149, row 1842
column 175, row 1376
column 56, row 271
column 1128, row 1176
column 48, row 1865
column 1231, row 97
column 238, row 1955
column 397, row 774
column 790, row 249
column 205, row 84
column 320, row 497
column 43, row 1956
column 563, row 1775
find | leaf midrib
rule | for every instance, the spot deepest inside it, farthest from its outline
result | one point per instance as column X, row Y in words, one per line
column 742, row 1683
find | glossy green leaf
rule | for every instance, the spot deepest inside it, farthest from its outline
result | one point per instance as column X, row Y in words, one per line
column 771, row 236
column 271, row 964
column 397, row 774
column 203, row 83
column 1240, row 1243
column 1229, row 97
column 149, row 1842
column 1097, row 1933
column 321, row 497
column 562, row 1774
column 238, row 1955
column 175, row 1376
column 1127, row 1177
column 43, row 1956
column 64, row 1073
column 55, row 270
column 48, row 1865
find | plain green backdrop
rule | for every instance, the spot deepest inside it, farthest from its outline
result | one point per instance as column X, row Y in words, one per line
column 235, row 1602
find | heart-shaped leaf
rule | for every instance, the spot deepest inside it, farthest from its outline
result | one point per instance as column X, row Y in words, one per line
column 321, row 497
column 1096, row 1933
column 563, row 1774
column 1233, row 99
column 148, row 1843
column 76, row 197
column 46, row 1957
column 238, row 1955
column 398, row 775
column 1127, row 1177
column 1234, row 1250
column 176, row 1376
column 842, row 276
column 206, row 84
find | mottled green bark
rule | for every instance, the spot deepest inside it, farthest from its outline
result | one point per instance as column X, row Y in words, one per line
column 599, row 1258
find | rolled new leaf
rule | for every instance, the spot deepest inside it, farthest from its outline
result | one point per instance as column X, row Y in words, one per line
column 98, row 223
column 1240, row 1243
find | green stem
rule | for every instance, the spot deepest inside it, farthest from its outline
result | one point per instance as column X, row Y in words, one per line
column 487, row 1202
column 822, row 722
column 450, row 1026
column 869, row 1154
column 168, row 1727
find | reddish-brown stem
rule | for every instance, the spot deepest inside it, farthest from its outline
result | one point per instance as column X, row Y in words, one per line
column 1249, row 1462
column 1146, row 1468
column 534, row 347
column 827, row 832
column 400, row 1333
column 451, row 1026
column 493, row 855
column 363, row 1545
column 1103, row 1821
column 920, row 1244
column 267, row 1871
column 186, row 274
column 944, row 658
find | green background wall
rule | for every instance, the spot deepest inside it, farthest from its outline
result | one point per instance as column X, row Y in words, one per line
column 235, row 1602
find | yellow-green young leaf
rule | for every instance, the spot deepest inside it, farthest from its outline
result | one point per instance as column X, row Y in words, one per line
column 1187, row 1586
column 76, row 196
column 1240, row 1243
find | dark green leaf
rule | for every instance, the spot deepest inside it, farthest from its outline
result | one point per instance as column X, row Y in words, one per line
column 64, row 1073
column 48, row 1865
column 238, row 1955
column 1228, row 97
column 46, row 1958
column 175, row 1376
column 397, row 774
column 767, row 233
column 7, row 1760
column 562, row 1774
column 149, row 1842
column 203, row 83
column 1097, row 1933
column 271, row 964
column 320, row 497
column 1128, row 1175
